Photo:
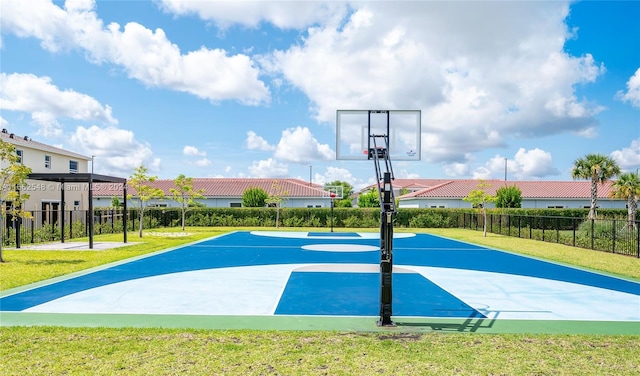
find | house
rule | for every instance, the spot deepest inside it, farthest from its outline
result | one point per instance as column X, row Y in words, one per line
column 225, row 192
column 535, row 194
column 41, row 158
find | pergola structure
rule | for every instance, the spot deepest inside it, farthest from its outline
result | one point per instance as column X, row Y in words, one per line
column 89, row 178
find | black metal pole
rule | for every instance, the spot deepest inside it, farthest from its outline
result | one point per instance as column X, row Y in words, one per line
column 386, row 252
column 124, row 211
column 332, row 204
column 90, row 211
column 19, row 224
column 62, row 219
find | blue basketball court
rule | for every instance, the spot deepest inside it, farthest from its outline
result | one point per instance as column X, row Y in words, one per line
column 262, row 276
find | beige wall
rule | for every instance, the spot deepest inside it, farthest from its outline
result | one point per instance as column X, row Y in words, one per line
column 49, row 192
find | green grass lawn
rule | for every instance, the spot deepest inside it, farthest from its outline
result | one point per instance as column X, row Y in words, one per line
column 133, row 351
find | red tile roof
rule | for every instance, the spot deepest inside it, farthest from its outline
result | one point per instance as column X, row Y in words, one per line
column 224, row 187
column 530, row 189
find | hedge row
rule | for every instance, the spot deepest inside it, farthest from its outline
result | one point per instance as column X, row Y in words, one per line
column 355, row 217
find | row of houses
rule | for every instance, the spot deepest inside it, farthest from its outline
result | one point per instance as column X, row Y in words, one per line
column 227, row 192
column 419, row 193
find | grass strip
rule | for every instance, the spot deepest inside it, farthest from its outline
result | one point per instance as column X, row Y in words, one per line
column 100, row 351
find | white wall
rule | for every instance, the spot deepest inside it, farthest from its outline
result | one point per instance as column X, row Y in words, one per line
column 602, row 203
column 213, row 202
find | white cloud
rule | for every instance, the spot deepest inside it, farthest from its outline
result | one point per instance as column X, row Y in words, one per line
column 255, row 142
column 535, row 163
column 269, row 168
column 145, row 55
column 404, row 174
column 298, row 145
column 456, row 169
column 480, row 72
column 628, row 158
column 203, row 162
column 525, row 165
column 193, row 151
column 589, row 132
column 47, row 103
column 633, row 90
column 282, row 14
column 116, row 150
column 333, row 174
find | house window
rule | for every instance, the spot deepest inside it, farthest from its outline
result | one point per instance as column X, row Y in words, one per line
column 73, row 167
column 555, row 207
column 235, row 205
column 19, row 153
column 47, row 161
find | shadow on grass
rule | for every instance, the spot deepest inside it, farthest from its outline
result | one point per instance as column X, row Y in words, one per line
column 471, row 324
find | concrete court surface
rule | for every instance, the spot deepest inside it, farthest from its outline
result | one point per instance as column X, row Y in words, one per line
column 325, row 280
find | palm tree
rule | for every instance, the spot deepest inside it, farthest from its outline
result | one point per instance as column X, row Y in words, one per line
column 628, row 187
column 598, row 168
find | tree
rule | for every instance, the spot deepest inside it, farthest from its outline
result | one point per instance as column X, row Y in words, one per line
column 184, row 194
column 370, row 199
column 598, row 168
column 479, row 198
column 628, row 187
column 115, row 202
column 347, row 192
column 139, row 181
column 12, row 175
column 277, row 196
column 509, row 197
column 254, row 197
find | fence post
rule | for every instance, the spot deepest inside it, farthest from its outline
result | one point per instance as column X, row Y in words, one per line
column 557, row 230
column 638, row 239
column 573, row 225
column 613, row 236
column 592, row 230
column 491, row 223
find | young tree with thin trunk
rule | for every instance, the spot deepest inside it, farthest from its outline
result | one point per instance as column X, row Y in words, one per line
column 598, row 168
column 139, row 181
column 479, row 198
column 628, row 187
column 184, row 194
column 277, row 196
column 13, row 174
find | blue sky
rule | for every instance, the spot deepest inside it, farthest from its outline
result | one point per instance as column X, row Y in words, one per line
column 251, row 88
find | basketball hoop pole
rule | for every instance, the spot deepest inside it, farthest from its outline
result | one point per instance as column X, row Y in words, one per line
column 388, row 211
column 333, row 196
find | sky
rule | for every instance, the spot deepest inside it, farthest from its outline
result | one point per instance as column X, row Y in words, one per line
column 251, row 88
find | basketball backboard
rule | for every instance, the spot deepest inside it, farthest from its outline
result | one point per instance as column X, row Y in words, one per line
column 334, row 191
column 354, row 129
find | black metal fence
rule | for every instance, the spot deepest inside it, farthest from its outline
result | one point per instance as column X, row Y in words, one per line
column 610, row 235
